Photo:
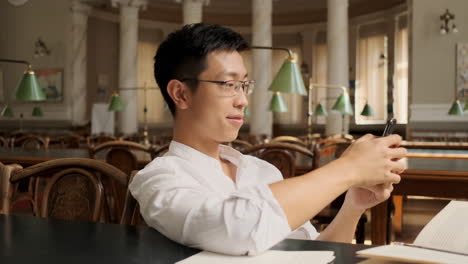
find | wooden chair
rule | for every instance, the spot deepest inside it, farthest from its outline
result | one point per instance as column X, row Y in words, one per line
column 30, row 142
column 239, row 144
column 290, row 140
column 67, row 141
column 124, row 156
column 70, row 188
column 284, row 156
column 4, row 142
column 326, row 151
column 92, row 141
column 161, row 150
column 131, row 211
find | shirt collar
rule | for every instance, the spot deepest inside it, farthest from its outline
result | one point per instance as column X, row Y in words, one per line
column 189, row 153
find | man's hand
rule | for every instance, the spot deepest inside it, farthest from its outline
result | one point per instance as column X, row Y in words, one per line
column 362, row 198
column 375, row 160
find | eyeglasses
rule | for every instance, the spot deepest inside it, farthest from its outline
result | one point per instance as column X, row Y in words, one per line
column 231, row 87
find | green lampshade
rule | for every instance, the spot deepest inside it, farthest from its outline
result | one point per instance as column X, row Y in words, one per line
column 320, row 110
column 277, row 103
column 456, row 109
column 289, row 79
column 29, row 88
column 466, row 105
column 7, row 112
column 116, row 103
column 246, row 112
column 367, row 110
column 343, row 105
column 37, row 112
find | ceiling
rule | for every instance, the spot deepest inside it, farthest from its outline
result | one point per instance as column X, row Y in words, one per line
column 238, row 12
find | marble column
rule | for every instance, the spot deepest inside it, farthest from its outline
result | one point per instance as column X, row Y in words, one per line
column 261, row 120
column 338, row 61
column 76, row 61
column 192, row 10
column 128, row 54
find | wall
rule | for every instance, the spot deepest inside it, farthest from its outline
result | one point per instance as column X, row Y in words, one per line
column 432, row 59
column 20, row 27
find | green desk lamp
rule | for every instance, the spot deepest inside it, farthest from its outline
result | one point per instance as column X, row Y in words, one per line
column 287, row 80
column 28, row 88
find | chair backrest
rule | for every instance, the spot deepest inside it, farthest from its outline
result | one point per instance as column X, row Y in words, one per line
column 123, row 155
column 284, row 156
column 67, row 141
column 328, row 150
column 4, row 142
column 99, row 139
column 239, row 144
column 290, row 140
column 131, row 211
column 158, row 152
column 30, row 142
column 69, row 188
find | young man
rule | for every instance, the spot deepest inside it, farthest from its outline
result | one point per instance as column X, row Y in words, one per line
column 207, row 195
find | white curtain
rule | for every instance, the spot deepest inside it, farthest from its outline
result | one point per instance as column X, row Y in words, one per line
column 158, row 113
column 400, row 92
column 371, row 84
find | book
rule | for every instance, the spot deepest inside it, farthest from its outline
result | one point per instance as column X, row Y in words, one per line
column 443, row 240
column 268, row 257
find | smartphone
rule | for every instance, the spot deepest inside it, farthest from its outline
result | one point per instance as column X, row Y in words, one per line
column 389, row 127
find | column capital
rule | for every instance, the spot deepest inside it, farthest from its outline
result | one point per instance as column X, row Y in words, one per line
column 141, row 4
column 77, row 6
column 204, row 2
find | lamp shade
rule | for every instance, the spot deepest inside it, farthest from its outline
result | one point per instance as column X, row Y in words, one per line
column 246, row 112
column 29, row 88
column 289, row 79
column 116, row 103
column 456, row 109
column 320, row 110
column 37, row 112
column 343, row 105
column 367, row 110
column 277, row 103
column 7, row 112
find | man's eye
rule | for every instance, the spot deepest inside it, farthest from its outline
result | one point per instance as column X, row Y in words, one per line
column 229, row 85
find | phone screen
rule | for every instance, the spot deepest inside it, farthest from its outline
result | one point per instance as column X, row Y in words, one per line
column 389, row 127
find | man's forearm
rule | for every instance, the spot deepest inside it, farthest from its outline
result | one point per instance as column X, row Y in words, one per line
column 301, row 198
column 343, row 226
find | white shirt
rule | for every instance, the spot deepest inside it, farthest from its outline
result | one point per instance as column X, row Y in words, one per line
column 186, row 196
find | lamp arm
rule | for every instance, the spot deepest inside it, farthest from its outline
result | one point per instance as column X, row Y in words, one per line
column 329, row 86
column 274, row 48
column 16, row 61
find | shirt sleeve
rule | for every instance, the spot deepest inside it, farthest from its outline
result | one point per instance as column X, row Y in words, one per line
column 245, row 222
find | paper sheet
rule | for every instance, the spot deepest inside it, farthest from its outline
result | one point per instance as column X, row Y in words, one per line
column 412, row 254
column 448, row 230
column 269, row 257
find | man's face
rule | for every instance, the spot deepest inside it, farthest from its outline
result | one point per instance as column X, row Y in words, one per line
column 215, row 115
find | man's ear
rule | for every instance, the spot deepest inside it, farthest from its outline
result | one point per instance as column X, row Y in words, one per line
column 179, row 94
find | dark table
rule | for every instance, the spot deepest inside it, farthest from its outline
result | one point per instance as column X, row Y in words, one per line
column 434, row 177
column 27, row 239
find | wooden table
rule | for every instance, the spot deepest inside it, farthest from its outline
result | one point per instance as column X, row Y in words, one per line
column 27, row 239
column 435, row 177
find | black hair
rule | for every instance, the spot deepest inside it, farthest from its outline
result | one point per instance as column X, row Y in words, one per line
column 183, row 54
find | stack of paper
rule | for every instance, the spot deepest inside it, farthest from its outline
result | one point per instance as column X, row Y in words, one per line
column 269, row 257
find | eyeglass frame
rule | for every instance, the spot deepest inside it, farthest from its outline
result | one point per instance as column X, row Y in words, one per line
column 225, row 83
